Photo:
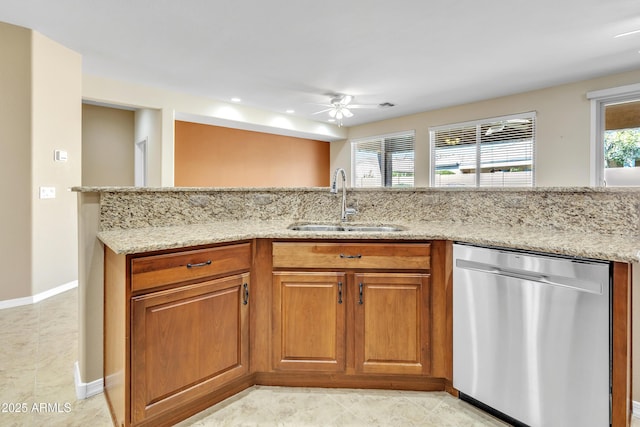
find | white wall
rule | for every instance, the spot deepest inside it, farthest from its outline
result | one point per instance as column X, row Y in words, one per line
column 148, row 125
column 563, row 153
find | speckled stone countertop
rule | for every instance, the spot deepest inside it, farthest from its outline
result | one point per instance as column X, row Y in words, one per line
column 585, row 222
column 571, row 243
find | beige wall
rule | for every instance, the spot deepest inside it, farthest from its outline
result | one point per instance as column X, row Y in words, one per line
column 107, row 146
column 56, row 125
column 563, row 150
column 15, row 173
column 108, row 137
column 90, row 298
column 40, row 109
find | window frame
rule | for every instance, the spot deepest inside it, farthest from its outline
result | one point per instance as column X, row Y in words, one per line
column 384, row 168
column 478, row 124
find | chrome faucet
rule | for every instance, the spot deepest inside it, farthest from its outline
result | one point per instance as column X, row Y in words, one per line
column 345, row 211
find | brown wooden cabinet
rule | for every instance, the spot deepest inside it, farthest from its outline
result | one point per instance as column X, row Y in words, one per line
column 186, row 343
column 176, row 331
column 371, row 317
column 309, row 321
column 392, row 323
column 180, row 334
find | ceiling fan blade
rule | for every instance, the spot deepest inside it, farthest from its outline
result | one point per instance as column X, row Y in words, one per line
column 347, row 113
column 371, row 106
column 333, row 112
column 346, row 99
column 322, row 111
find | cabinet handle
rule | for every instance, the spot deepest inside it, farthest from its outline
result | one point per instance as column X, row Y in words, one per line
column 361, row 291
column 245, row 299
column 339, row 292
column 200, row 264
column 357, row 256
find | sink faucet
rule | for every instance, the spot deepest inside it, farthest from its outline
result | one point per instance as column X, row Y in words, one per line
column 345, row 211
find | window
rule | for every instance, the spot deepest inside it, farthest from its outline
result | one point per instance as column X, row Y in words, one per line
column 496, row 152
column 383, row 161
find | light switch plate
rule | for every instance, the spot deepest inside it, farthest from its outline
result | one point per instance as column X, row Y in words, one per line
column 60, row 156
column 47, row 192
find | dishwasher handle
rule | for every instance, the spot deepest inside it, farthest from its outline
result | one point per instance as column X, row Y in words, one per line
column 564, row 282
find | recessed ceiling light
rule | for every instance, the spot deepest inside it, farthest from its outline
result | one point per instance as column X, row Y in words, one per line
column 291, row 111
column 235, row 99
column 627, row 33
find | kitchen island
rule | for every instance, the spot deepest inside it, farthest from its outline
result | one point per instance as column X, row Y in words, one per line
column 573, row 222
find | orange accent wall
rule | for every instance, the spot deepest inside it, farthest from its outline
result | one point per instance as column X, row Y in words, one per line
column 215, row 156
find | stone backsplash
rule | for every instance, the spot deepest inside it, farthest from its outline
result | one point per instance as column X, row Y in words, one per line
column 606, row 211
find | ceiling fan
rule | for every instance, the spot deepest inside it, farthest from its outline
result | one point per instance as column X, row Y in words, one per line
column 340, row 107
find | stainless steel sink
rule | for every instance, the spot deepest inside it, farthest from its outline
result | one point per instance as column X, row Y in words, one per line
column 373, row 228
column 343, row 228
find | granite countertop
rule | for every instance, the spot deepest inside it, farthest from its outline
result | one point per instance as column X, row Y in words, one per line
column 104, row 189
column 587, row 245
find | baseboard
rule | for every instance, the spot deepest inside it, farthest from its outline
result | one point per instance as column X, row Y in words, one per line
column 16, row 302
column 85, row 390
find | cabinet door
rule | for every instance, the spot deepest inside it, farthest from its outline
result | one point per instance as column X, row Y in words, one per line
column 309, row 321
column 186, row 342
column 392, row 323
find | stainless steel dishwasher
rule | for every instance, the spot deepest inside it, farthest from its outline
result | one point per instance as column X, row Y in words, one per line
column 531, row 336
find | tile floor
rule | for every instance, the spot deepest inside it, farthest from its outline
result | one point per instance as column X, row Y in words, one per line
column 38, row 348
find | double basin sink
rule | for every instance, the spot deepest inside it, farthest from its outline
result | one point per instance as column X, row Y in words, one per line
column 346, row 227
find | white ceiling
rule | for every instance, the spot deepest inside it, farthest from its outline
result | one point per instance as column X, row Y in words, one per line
column 289, row 54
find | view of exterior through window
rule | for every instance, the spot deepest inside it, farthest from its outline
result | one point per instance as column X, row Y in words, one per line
column 496, row 152
column 383, row 161
column 622, row 144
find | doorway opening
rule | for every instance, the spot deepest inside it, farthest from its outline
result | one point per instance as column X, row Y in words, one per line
column 615, row 136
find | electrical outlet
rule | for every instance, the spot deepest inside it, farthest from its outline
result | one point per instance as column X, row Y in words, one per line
column 47, row 192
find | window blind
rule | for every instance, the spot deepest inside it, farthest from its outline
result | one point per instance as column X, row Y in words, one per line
column 496, row 152
column 383, row 161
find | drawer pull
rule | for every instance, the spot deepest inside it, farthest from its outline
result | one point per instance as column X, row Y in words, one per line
column 361, row 291
column 339, row 292
column 357, row 256
column 200, row 264
column 245, row 299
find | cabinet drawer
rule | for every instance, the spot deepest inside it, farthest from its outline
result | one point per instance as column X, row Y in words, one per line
column 160, row 270
column 393, row 256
